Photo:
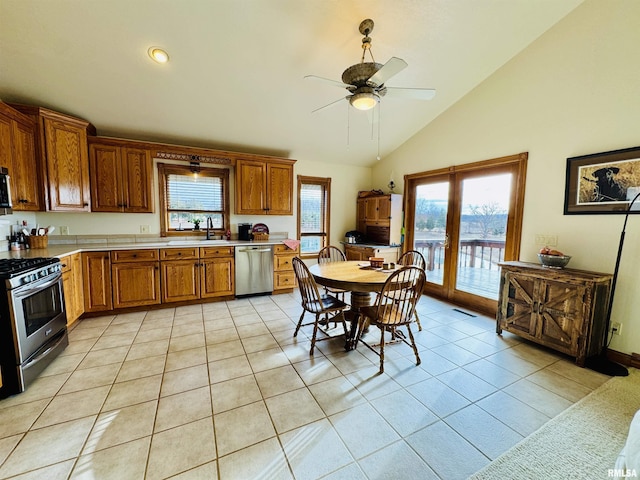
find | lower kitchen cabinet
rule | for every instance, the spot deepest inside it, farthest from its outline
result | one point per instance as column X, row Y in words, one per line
column 135, row 278
column 73, row 287
column 180, row 274
column 283, row 276
column 361, row 252
column 96, row 274
column 217, row 272
column 563, row 309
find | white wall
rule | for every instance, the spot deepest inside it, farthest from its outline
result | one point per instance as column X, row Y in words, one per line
column 574, row 91
column 346, row 181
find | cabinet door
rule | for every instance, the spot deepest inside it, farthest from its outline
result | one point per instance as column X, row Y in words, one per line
column 67, row 166
column 106, row 185
column 135, row 284
column 78, row 287
column 136, row 180
column 180, row 280
column 560, row 315
column 26, row 174
column 518, row 310
column 280, row 188
column 250, row 187
column 355, row 253
column 216, row 277
column 96, row 272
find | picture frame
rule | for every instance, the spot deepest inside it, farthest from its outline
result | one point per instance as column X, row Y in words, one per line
column 603, row 183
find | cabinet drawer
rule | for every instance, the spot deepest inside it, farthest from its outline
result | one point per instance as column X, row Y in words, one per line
column 208, row 252
column 178, row 253
column 65, row 263
column 282, row 248
column 283, row 262
column 284, row 280
column 119, row 256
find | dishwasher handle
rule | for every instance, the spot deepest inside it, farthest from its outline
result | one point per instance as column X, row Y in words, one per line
column 254, row 249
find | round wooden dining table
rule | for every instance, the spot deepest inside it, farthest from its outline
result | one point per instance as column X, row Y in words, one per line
column 358, row 278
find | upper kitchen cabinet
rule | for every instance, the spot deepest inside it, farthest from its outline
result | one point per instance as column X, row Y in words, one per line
column 264, row 187
column 121, row 175
column 61, row 145
column 18, row 154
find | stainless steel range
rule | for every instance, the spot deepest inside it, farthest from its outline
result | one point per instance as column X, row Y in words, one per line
column 33, row 320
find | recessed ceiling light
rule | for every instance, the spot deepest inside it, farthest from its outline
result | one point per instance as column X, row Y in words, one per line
column 158, row 55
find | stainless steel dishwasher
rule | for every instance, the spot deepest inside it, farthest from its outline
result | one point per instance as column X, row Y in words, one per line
column 254, row 270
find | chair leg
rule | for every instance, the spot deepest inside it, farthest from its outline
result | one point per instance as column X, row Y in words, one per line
column 415, row 314
column 382, row 329
column 295, row 334
column 315, row 333
column 413, row 345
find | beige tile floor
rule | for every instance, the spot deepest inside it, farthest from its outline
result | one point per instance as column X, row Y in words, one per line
column 223, row 391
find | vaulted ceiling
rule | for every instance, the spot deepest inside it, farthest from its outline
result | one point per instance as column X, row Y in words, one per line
column 235, row 79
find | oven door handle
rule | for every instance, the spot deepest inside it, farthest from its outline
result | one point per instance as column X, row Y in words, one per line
column 26, row 290
column 32, row 361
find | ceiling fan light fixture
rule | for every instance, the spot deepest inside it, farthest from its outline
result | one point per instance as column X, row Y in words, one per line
column 158, row 55
column 364, row 100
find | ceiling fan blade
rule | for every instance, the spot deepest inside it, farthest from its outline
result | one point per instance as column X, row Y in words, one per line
column 388, row 70
column 415, row 93
column 327, row 80
column 328, row 105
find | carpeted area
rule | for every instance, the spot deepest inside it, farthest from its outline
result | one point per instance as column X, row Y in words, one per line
column 582, row 442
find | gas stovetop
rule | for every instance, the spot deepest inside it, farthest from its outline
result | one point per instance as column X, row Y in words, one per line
column 21, row 271
column 10, row 267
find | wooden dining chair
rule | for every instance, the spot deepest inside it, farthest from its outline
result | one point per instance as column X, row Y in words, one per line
column 332, row 254
column 395, row 308
column 415, row 258
column 318, row 304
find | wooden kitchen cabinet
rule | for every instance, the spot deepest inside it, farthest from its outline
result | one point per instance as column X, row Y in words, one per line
column 363, row 252
column 135, row 278
column 284, row 278
column 73, row 286
column 121, row 176
column 96, row 274
column 18, row 155
column 180, row 274
column 379, row 217
column 264, row 187
column 217, row 272
column 61, row 146
column 563, row 309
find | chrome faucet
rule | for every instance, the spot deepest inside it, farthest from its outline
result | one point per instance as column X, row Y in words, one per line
column 209, row 227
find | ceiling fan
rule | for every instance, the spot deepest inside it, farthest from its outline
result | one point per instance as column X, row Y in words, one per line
column 366, row 81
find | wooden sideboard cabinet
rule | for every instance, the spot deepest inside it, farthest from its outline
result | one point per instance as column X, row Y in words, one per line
column 264, row 187
column 563, row 309
column 121, row 176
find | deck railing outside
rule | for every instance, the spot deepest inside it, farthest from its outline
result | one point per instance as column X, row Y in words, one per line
column 478, row 270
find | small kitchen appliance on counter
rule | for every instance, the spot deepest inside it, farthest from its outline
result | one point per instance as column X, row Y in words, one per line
column 353, row 236
column 244, row 231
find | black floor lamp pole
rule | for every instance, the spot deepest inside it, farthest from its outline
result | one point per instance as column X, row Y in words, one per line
column 601, row 363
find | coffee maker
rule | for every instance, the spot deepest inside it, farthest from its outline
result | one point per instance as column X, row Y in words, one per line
column 244, row 231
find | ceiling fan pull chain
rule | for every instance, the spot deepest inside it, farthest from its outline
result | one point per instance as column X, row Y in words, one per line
column 348, row 123
column 379, row 120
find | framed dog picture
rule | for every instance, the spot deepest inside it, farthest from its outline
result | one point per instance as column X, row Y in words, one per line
column 603, row 182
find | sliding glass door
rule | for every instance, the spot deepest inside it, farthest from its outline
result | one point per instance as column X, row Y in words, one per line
column 465, row 220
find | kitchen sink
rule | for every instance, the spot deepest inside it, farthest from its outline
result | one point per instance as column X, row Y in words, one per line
column 199, row 242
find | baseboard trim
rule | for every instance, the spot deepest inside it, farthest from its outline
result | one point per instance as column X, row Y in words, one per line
column 625, row 359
